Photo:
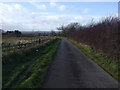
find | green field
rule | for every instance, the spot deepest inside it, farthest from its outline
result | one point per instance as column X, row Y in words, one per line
column 13, row 44
column 22, row 39
column 28, row 69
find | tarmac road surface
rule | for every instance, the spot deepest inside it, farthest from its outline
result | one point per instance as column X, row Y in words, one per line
column 72, row 69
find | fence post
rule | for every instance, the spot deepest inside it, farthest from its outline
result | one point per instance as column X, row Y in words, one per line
column 39, row 40
column 9, row 47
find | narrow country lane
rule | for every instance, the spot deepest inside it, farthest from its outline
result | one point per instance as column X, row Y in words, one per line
column 72, row 69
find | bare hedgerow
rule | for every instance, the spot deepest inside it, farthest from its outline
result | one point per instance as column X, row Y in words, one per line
column 103, row 36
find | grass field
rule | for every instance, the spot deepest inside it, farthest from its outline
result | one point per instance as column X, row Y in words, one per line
column 108, row 64
column 22, row 39
column 28, row 69
column 13, row 44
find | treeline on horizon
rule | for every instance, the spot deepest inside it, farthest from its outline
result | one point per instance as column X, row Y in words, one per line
column 103, row 36
column 18, row 33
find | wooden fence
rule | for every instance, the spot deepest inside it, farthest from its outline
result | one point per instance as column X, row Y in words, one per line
column 12, row 47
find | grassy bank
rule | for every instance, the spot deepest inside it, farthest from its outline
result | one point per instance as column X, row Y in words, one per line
column 28, row 70
column 108, row 64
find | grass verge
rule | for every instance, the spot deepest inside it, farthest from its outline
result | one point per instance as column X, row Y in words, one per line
column 108, row 64
column 28, row 70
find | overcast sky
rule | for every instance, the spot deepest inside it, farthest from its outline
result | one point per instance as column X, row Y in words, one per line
column 49, row 15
